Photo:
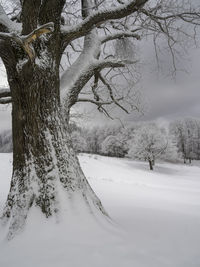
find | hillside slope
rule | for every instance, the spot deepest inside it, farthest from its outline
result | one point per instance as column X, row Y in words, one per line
column 156, row 218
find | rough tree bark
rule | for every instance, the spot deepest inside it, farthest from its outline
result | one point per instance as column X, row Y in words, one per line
column 43, row 158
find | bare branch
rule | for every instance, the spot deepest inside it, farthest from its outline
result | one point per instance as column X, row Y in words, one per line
column 119, row 35
column 83, row 77
column 98, row 103
column 99, row 17
column 4, row 92
column 74, row 48
column 189, row 17
column 6, row 100
column 111, row 93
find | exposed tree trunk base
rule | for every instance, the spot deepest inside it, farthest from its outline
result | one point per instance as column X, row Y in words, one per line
column 151, row 165
column 44, row 181
column 60, row 201
column 70, row 206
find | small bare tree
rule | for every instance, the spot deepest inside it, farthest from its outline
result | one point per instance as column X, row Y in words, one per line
column 148, row 144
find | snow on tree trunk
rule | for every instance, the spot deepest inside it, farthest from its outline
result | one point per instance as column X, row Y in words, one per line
column 44, row 162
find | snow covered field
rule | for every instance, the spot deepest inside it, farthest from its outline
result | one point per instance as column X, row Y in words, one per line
column 156, row 220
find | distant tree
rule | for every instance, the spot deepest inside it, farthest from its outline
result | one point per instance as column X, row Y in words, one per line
column 73, row 127
column 6, row 142
column 114, row 146
column 92, row 137
column 178, row 130
column 78, row 141
column 187, row 135
column 171, row 152
column 149, row 143
column 197, row 140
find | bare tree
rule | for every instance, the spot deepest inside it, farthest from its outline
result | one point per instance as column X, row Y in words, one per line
column 186, row 134
column 34, row 37
column 149, row 144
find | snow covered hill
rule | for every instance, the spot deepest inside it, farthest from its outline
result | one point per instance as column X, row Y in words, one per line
column 156, row 220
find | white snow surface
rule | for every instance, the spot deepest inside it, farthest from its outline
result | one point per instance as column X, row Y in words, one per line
column 156, row 220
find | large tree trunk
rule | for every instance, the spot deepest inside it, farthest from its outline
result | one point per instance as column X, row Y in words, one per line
column 45, row 167
column 44, row 163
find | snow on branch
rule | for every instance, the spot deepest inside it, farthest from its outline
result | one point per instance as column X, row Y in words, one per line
column 7, row 25
column 119, row 35
column 5, row 96
column 99, row 17
column 112, row 63
column 33, row 36
column 25, row 41
column 6, row 100
column 45, row 28
column 8, row 36
column 79, row 79
column 4, row 92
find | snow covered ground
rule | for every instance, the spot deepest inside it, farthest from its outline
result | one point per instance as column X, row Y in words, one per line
column 156, row 220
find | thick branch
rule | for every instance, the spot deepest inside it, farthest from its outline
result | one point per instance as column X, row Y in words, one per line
column 46, row 28
column 5, row 100
column 119, row 35
column 84, row 76
column 97, row 18
column 25, row 41
column 98, row 103
column 4, row 92
column 29, row 39
column 94, row 87
column 102, row 64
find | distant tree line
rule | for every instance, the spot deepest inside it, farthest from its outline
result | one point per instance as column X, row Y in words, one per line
column 180, row 140
column 187, row 137
column 6, row 141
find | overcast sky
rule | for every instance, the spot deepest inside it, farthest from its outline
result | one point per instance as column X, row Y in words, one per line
column 169, row 98
column 165, row 99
